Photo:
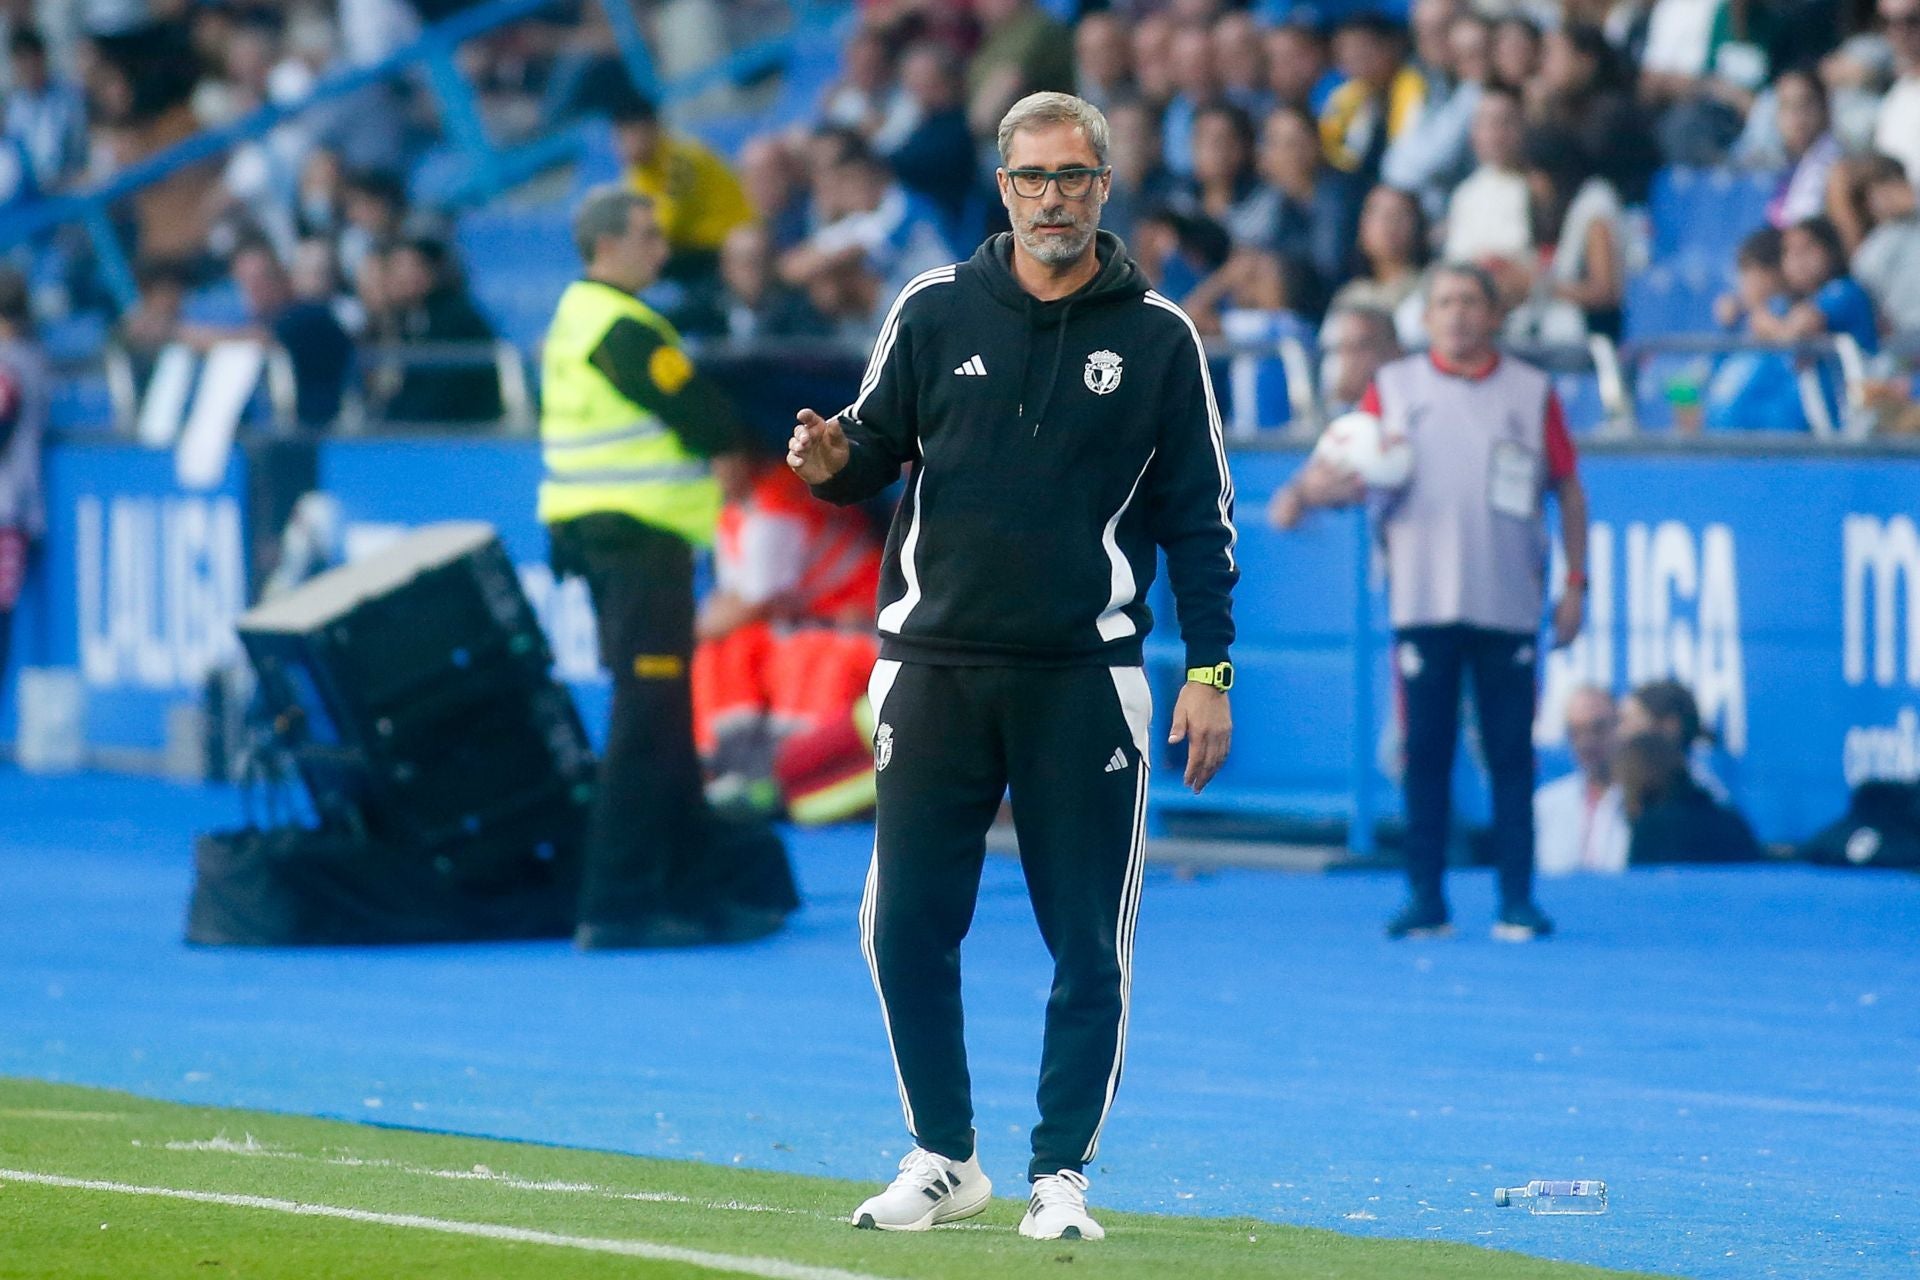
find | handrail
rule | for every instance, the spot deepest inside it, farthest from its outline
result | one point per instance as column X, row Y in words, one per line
column 1857, row 423
column 433, row 52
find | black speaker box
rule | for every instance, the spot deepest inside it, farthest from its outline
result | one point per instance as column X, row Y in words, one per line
column 412, row 691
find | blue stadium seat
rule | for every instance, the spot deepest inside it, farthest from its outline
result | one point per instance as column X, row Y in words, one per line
column 1675, row 295
column 1706, row 211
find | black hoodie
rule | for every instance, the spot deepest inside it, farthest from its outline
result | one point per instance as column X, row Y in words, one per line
column 1056, row 445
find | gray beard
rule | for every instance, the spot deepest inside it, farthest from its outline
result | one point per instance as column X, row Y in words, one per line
column 1056, row 251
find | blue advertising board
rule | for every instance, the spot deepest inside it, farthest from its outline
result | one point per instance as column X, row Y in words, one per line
column 137, row 586
column 1784, row 589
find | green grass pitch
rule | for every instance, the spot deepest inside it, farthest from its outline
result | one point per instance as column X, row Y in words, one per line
column 99, row 1184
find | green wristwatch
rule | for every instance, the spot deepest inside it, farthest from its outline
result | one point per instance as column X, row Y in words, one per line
column 1219, row 676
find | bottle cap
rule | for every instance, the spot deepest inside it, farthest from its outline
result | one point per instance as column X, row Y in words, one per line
column 1500, row 1197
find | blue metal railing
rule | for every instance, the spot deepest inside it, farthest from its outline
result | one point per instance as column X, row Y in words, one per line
column 489, row 167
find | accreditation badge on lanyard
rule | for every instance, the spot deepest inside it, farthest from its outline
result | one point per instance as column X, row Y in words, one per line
column 1513, row 488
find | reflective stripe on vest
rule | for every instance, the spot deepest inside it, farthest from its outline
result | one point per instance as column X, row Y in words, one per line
column 603, row 452
column 664, row 473
column 645, row 430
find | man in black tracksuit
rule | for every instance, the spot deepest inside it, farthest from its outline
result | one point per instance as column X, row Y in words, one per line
column 1061, row 427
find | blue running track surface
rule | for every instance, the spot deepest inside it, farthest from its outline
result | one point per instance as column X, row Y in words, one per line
column 1737, row 1053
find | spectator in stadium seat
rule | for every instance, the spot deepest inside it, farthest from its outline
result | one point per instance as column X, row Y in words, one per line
column 865, row 96
column 1299, row 67
column 1515, row 61
column 1022, row 50
column 1354, row 342
column 1808, row 148
column 1250, row 280
column 1752, row 390
column 1667, row 709
column 875, row 235
column 1198, row 84
column 47, row 116
column 1703, row 63
column 1223, row 186
column 1381, row 99
column 748, row 302
column 1140, row 180
column 1585, row 85
column 147, row 327
column 1431, row 22
column 1580, row 821
column 317, row 346
column 1436, row 153
column 1240, row 62
column 1887, row 263
column 774, row 178
column 25, row 384
column 1896, row 129
column 695, row 195
column 1673, row 818
column 430, row 305
column 1151, row 45
column 1177, row 251
column 374, row 204
column 936, row 157
column 1580, row 278
column 1488, row 216
column 1305, row 210
column 1824, row 300
column 320, row 199
column 1102, row 59
column 1393, row 249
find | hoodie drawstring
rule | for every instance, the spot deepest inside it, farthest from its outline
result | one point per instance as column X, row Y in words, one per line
column 1053, row 373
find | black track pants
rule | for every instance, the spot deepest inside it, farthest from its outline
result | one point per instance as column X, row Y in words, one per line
column 1071, row 745
column 1432, row 662
column 647, row 833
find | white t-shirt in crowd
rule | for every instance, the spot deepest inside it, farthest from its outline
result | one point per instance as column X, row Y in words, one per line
column 1489, row 216
column 1897, row 130
column 1576, row 830
column 1680, row 36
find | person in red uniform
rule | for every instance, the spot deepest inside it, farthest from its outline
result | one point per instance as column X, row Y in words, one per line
column 786, row 650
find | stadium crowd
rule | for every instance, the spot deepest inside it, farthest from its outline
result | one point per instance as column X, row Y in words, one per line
column 1274, row 166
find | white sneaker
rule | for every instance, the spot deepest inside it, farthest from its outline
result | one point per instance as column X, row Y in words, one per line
column 1058, row 1210
column 930, row 1190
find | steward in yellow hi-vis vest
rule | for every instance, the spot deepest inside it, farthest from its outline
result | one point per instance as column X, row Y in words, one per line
column 630, row 434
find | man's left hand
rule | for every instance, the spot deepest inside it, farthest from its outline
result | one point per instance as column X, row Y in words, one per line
column 1203, row 720
column 1568, row 617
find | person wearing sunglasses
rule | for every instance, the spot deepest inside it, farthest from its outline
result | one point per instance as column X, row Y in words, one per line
column 1062, row 430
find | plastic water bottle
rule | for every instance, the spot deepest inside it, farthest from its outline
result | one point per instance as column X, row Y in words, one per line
column 1555, row 1197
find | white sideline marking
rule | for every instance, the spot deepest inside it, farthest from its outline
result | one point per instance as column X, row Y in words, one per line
column 224, row 1145
column 746, row 1265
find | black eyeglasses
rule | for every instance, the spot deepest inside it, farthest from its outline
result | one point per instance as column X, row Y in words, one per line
column 1073, row 184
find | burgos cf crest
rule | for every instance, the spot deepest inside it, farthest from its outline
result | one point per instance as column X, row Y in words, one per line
column 882, row 747
column 1102, row 373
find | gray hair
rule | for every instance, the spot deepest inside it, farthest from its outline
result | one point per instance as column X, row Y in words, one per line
column 1377, row 321
column 1473, row 271
column 1038, row 110
column 604, row 211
